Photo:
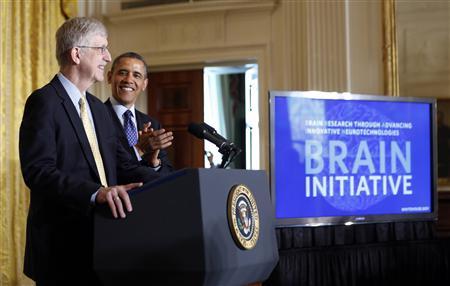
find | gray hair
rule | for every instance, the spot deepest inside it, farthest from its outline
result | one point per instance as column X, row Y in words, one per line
column 76, row 32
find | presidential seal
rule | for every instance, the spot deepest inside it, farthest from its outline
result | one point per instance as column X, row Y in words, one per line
column 243, row 217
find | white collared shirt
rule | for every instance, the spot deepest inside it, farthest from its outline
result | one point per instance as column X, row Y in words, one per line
column 75, row 96
column 120, row 110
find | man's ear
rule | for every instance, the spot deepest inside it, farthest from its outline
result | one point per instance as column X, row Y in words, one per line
column 145, row 84
column 109, row 76
column 75, row 55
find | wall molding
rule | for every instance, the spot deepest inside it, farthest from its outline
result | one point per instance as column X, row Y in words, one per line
column 192, row 8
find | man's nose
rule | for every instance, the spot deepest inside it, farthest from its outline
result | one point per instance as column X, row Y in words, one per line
column 107, row 56
column 129, row 77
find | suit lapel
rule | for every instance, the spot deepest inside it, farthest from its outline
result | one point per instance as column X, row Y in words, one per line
column 76, row 123
column 142, row 118
column 139, row 123
column 116, row 120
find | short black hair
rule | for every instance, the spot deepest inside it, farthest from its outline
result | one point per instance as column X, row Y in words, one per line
column 132, row 55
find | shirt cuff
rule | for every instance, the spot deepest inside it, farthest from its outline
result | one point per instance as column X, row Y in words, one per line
column 94, row 196
column 145, row 159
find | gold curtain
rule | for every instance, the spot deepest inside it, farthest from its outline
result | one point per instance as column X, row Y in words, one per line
column 390, row 56
column 27, row 62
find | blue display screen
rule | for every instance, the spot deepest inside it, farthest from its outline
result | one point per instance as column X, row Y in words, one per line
column 344, row 157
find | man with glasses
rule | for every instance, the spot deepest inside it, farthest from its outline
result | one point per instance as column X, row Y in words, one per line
column 72, row 160
column 103, row 49
column 129, row 78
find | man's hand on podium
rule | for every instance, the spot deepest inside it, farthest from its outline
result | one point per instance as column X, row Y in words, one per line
column 117, row 197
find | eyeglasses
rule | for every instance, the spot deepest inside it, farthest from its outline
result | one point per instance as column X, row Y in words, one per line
column 102, row 49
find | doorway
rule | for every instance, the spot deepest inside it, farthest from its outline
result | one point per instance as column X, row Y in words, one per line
column 231, row 107
column 175, row 98
column 223, row 96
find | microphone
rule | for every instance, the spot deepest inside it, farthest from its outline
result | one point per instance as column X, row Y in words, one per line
column 226, row 147
column 204, row 131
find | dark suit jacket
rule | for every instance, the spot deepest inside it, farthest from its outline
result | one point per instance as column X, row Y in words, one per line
column 59, row 168
column 141, row 119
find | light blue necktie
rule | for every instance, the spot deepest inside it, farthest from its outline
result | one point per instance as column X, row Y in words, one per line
column 130, row 129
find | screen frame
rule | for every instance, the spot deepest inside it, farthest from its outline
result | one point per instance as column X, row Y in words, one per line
column 349, row 220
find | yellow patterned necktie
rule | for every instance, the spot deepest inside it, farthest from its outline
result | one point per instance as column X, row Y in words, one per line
column 88, row 128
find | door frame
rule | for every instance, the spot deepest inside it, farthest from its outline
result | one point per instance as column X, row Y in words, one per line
column 195, row 59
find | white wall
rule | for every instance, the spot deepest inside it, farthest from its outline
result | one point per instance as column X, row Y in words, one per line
column 423, row 42
column 299, row 45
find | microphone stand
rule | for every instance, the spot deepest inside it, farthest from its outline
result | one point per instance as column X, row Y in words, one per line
column 225, row 158
column 229, row 152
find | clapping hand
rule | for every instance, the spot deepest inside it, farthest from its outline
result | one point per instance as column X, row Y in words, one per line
column 152, row 141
